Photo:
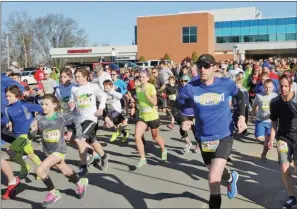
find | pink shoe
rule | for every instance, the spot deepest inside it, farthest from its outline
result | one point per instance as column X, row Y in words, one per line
column 51, row 198
column 82, row 188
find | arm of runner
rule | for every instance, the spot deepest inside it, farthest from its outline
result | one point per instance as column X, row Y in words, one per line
column 71, row 103
column 272, row 133
column 274, row 121
column 78, row 129
column 116, row 94
column 102, row 96
column 254, row 109
column 151, row 96
column 33, row 107
column 182, row 96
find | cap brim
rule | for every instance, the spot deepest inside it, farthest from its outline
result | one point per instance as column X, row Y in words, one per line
column 204, row 61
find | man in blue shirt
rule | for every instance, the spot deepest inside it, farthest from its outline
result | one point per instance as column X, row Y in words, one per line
column 213, row 123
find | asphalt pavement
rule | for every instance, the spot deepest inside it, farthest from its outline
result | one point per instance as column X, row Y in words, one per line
column 179, row 183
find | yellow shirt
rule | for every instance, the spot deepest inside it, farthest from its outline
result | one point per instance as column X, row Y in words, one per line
column 147, row 111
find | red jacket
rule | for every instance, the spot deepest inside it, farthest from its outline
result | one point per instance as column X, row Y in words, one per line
column 39, row 75
column 273, row 76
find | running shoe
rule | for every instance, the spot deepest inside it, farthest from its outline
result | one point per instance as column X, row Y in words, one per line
column 124, row 139
column 104, row 162
column 114, row 136
column 82, row 187
column 290, row 203
column 83, row 172
column 187, row 147
column 264, row 158
column 232, row 187
column 141, row 163
column 25, row 171
column 10, row 188
column 164, row 155
column 170, row 126
column 51, row 198
column 197, row 149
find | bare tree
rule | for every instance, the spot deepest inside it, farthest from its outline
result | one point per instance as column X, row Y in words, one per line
column 104, row 44
column 19, row 26
column 57, row 31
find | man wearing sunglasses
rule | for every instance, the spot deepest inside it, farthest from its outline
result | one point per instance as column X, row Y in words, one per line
column 213, row 123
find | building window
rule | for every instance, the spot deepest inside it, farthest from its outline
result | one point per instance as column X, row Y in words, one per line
column 189, row 34
column 291, row 36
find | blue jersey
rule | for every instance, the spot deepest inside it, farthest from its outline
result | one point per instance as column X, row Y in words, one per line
column 213, row 118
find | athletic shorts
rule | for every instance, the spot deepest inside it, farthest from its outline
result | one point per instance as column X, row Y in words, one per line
column 90, row 128
column 22, row 144
column 216, row 149
column 262, row 129
column 116, row 117
column 153, row 124
column 287, row 152
column 179, row 118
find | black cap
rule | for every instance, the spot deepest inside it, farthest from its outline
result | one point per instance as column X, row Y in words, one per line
column 206, row 58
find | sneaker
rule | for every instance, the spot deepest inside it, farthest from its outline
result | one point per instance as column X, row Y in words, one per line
column 197, row 149
column 82, row 188
column 170, row 126
column 290, row 203
column 10, row 188
column 232, row 187
column 90, row 159
column 141, row 163
column 114, row 136
column 187, row 147
column 25, row 171
column 264, row 158
column 83, row 172
column 124, row 139
column 51, row 198
column 104, row 162
column 164, row 155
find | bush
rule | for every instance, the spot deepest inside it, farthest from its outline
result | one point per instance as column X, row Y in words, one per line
column 166, row 56
column 194, row 56
column 141, row 59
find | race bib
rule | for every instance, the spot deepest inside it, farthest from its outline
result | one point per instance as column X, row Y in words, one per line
column 265, row 106
column 282, row 147
column 84, row 102
column 65, row 107
column 210, row 146
column 51, row 136
column 172, row 97
column 146, row 109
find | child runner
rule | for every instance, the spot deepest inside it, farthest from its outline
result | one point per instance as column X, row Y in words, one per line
column 52, row 125
column 148, row 117
column 263, row 122
column 83, row 98
column 18, row 117
column 113, row 117
column 13, row 181
column 171, row 92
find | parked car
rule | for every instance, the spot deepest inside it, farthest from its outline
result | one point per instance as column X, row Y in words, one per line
column 112, row 65
column 154, row 63
column 127, row 64
column 29, row 76
column 142, row 65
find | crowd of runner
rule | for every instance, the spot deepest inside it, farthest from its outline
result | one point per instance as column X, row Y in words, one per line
column 65, row 107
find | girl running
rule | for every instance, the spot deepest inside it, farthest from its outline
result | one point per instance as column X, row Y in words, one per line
column 171, row 92
column 148, row 117
column 52, row 125
column 83, row 98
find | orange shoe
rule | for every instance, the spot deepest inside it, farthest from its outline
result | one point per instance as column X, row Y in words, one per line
column 10, row 188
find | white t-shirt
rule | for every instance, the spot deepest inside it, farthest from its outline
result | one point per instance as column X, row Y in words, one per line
column 84, row 98
column 100, row 79
column 113, row 101
column 233, row 73
column 114, row 53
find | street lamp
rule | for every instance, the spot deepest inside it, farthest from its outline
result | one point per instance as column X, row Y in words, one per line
column 8, row 49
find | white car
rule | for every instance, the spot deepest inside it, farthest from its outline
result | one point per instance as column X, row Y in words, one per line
column 29, row 76
column 142, row 65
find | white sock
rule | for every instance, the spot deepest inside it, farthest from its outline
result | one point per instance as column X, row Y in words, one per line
column 230, row 179
column 13, row 182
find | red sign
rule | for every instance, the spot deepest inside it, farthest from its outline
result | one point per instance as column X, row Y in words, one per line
column 79, row 51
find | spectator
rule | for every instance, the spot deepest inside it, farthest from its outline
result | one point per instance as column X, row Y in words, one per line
column 39, row 74
column 114, row 54
column 165, row 72
column 48, row 83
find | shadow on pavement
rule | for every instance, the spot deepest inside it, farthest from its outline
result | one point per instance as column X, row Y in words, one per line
column 135, row 197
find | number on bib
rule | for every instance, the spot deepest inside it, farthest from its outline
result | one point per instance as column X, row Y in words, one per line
column 146, row 109
column 84, row 102
column 51, row 135
column 282, row 147
column 172, row 97
column 210, row 146
column 265, row 106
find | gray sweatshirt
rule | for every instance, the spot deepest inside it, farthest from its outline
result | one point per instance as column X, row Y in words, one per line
column 52, row 132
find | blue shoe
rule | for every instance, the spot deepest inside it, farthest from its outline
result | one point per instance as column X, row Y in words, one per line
column 232, row 187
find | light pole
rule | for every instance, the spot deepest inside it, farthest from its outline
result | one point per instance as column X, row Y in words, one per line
column 8, row 49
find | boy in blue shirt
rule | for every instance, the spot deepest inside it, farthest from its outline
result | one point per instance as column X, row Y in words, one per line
column 18, row 117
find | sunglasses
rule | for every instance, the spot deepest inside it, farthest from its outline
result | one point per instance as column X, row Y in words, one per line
column 204, row 65
column 184, row 81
